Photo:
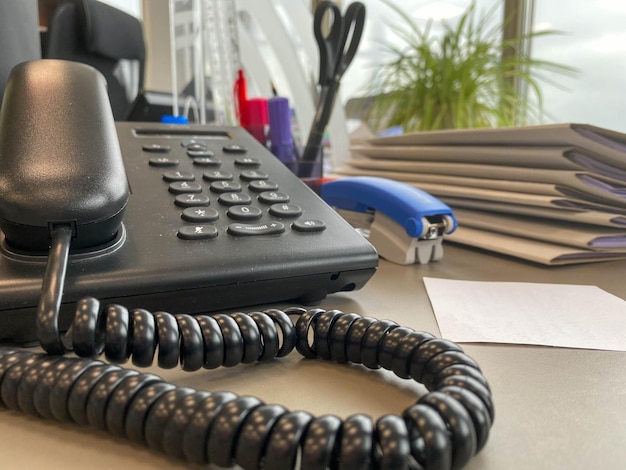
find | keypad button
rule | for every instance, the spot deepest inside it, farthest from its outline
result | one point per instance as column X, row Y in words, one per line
column 247, row 161
column 244, row 212
column 161, row 162
column 285, row 210
column 197, row 232
column 171, row 176
column 309, row 225
column 262, row 185
column 191, row 200
column 234, row 148
column 273, row 197
column 217, row 175
column 181, row 187
column 270, row 228
column 156, row 148
column 187, row 142
column 225, row 186
column 195, row 146
column 251, row 175
column 200, row 214
column 200, row 153
column 207, row 162
column 233, row 199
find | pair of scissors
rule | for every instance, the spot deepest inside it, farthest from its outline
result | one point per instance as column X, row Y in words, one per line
column 337, row 49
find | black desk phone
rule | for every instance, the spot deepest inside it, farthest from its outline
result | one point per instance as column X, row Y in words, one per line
column 213, row 220
column 134, row 248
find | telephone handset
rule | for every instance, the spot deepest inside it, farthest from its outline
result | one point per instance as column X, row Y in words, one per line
column 191, row 220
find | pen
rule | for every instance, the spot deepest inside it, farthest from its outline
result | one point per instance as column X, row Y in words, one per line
column 281, row 138
column 257, row 118
column 240, row 92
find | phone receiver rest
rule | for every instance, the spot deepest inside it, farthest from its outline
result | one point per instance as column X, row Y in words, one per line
column 60, row 159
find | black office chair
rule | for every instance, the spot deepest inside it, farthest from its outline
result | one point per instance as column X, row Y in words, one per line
column 106, row 38
column 19, row 36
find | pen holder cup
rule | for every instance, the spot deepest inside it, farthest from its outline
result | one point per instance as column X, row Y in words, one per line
column 310, row 173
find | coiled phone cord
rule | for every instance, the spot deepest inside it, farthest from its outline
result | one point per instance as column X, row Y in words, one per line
column 442, row 430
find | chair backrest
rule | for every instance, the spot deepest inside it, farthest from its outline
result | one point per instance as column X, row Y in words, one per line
column 19, row 36
column 106, row 38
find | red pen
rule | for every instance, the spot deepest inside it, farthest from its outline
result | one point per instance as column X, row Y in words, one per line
column 257, row 118
column 240, row 93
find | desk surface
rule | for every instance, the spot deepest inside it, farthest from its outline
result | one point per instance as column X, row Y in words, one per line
column 555, row 408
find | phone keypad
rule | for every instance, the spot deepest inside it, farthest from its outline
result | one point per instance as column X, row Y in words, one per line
column 242, row 198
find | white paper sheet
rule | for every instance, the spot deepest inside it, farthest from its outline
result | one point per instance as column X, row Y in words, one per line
column 570, row 316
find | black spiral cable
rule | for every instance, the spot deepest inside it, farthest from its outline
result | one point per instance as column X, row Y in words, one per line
column 443, row 430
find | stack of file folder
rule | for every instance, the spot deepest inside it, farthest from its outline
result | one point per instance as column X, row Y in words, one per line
column 553, row 194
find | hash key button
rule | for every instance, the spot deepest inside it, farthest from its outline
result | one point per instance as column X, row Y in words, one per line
column 285, row 210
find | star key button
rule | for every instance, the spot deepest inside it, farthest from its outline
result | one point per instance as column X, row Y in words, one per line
column 199, row 215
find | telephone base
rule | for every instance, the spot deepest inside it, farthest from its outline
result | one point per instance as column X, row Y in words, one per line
column 317, row 252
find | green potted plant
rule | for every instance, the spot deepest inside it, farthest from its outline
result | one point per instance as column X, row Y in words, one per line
column 459, row 78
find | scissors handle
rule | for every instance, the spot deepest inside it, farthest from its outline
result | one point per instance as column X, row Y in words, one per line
column 335, row 57
column 353, row 24
column 328, row 43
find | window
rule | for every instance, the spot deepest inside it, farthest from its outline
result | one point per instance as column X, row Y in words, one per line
column 594, row 43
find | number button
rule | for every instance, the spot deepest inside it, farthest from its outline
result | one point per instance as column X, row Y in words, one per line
column 225, row 187
column 251, row 175
column 262, row 185
column 233, row 199
column 217, row 175
column 247, row 161
column 171, row 176
column 191, row 200
column 181, row 187
column 244, row 213
column 273, row 197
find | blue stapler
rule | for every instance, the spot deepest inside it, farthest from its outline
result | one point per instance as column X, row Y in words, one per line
column 405, row 224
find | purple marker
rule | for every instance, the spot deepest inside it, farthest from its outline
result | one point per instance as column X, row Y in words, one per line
column 281, row 139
